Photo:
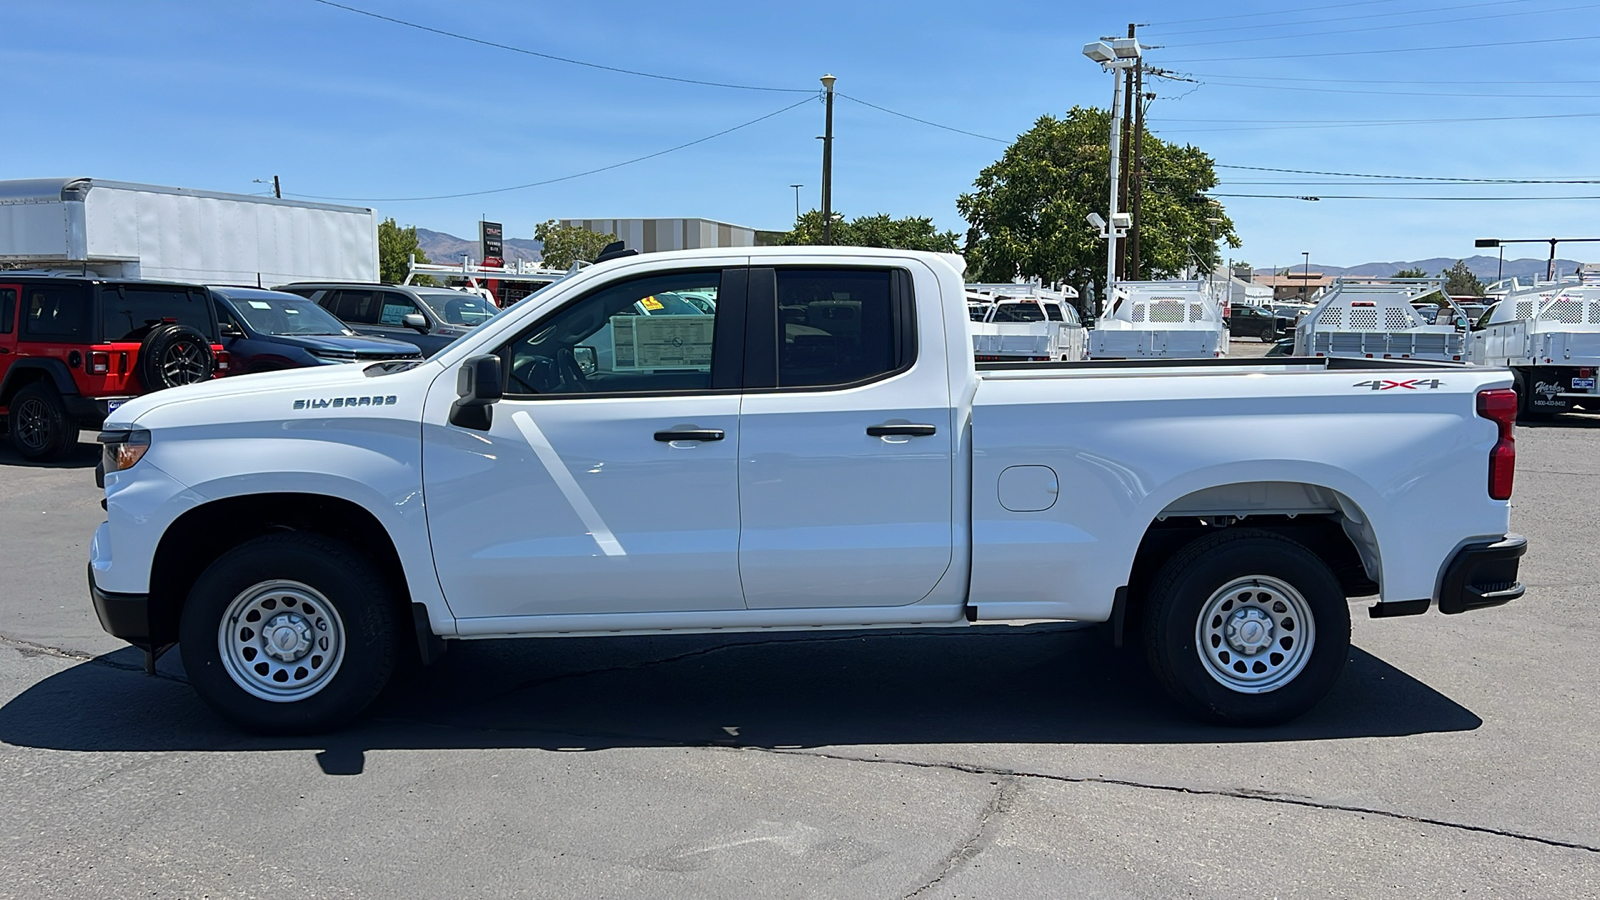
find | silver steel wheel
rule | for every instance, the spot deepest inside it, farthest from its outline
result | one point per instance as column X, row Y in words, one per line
column 1255, row 634
column 281, row 641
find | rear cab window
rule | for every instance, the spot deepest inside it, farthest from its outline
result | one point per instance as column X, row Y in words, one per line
column 841, row 326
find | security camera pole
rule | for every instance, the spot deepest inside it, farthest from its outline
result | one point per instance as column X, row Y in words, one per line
column 1115, row 56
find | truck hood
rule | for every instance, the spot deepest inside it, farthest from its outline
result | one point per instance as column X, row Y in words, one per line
column 321, row 381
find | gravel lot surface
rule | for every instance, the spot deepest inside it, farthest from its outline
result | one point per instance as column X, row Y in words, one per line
column 1457, row 757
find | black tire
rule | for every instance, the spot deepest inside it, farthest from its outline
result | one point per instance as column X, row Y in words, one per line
column 1525, row 410
column 1269, row 335
column 173, row 355
column 40, row 428
column 1192, row 582
column 363, row 610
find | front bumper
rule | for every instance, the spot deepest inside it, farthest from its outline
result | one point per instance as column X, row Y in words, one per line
column 123, row 616
column 1483, row 575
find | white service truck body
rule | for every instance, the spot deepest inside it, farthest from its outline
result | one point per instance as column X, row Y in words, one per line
column 1017, row 323
column 124, row 230
column 1549, row 336
column 1160, row 320
column 1376, row 320
column 734, row 472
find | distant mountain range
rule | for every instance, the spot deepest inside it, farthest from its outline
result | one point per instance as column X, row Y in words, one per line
column 446, row 249
column 1482, row 266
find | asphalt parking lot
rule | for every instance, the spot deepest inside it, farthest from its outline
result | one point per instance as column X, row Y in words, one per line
column 1458, row 756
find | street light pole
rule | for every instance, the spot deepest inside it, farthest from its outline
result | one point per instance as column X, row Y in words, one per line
column 1305, row 282
column 1550, row 267
column 827, row 165
column 1115, row 56
column 797, row 188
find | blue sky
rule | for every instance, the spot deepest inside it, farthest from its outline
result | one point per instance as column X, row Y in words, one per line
column 213, row 95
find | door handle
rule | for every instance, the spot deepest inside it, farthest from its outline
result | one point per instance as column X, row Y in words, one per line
column 907, row 430
column 690, row 434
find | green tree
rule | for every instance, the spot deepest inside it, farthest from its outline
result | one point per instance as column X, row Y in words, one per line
column 1460, row 282
column 397, row 249
column 563, row 244
column 1411, row 273
column 909, row 233
column 1027, row 211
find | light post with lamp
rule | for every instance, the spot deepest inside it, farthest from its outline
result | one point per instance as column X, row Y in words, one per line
column 1550, row 267
column 797, row 188
column 1305, row 279
column 827, row 164
column 1115, row 56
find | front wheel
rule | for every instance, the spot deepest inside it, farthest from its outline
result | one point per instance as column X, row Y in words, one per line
column 1246, row 627
column 289, row 633
column 1269, row 335
column 40, row 426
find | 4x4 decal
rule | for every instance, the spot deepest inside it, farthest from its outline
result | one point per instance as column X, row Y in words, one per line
column 1410, row 384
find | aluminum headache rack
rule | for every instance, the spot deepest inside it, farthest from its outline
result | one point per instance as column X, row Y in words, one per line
column 1375, row 318
column 1160, row 320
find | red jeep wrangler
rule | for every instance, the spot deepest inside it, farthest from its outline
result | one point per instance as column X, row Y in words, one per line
column 73, row 348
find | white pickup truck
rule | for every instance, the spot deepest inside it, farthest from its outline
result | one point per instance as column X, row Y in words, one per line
column 817, row 451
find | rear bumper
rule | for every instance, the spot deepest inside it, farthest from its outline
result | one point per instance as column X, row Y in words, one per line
column 1482, row 575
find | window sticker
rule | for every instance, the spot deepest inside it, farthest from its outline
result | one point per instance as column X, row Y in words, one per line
column 661, row 342
column 259, row 304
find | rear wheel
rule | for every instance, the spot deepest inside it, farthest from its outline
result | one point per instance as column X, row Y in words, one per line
column 289, row 633
column 1269, row 334
column 40, row 426
column 1246, row 627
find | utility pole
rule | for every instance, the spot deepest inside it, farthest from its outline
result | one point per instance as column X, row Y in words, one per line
column 1134, row 265
column 277, row 191
column 827, row 165
column 1127, row 153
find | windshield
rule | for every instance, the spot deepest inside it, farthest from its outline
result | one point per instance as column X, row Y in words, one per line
column 285, row 314
column 458, row 307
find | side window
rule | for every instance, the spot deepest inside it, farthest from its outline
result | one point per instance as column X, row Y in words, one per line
column 8, row 309
column 838, row 326
column 55, row 312
column 354, row 307
column 396, row 306
column 1053, row 312
column 643, row 335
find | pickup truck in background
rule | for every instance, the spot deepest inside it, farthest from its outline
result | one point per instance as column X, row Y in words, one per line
column 820, row 451
column 1023, row 323
column 1160, row 320
column 1549, row 336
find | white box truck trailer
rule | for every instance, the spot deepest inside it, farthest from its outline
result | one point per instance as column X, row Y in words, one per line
column 123, row 230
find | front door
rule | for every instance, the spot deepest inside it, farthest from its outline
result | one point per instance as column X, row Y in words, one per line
column 607, row 480
column 846, row 443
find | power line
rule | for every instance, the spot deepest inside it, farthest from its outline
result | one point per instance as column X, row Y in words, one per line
column 1375, row 123
column 1276, row 12
column 1377, row 197
column 562, row 59
column 1255, row 182
column 1393, row 80
column 1386, row 15
column 1370, row 175
column 923, row 121
column 1560, row 40
column 1477, row 96
column 1389, row 27
column 518, row 187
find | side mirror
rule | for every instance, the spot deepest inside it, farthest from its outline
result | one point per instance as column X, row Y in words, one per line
column 587, row 360
column 230, row 330
column 478, row 387
column 415, row 320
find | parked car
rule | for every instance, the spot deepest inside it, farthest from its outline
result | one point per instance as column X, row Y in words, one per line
column 267, row 330
column 73, row 348
column 299, row 541
column 427, row 317
column 1256, row 322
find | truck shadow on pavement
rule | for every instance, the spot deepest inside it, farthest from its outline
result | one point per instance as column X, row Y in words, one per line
column 1033, row 684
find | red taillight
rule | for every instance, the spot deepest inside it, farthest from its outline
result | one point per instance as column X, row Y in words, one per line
column 99, row 362
column 222, row 360
column 1500, row 407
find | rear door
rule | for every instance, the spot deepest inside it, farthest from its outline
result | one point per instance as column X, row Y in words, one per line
column 10, row 299
column 845, row 443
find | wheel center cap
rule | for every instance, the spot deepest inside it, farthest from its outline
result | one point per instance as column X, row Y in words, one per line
column 287, row 637
column 1249, row 631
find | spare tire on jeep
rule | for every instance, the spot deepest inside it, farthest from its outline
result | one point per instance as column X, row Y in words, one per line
column 174, row 354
